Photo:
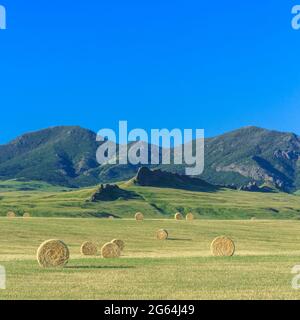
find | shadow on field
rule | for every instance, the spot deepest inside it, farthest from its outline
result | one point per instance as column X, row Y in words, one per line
column 99, row 267
column 178, row 239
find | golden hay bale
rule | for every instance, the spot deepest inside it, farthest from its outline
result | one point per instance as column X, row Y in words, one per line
column 53, row 253
column 222, row 246
column 11, row 214
column 253, row 218
column 26, row 215
column 178, row 216
column 139, row 216
column 162, row 234
column 119, row 243
column 189, row 216
column 110, row 250
column 89, row 248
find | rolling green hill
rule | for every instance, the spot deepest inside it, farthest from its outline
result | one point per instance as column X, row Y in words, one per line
column 153, row 202
column 19, row 185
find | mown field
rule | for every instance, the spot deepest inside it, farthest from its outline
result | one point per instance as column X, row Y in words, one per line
column 42, row 200
column 179, row 268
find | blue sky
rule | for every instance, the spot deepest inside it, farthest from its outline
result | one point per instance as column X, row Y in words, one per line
column 217, row 65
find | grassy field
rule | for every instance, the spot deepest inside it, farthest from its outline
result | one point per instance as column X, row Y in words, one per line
column 48, row 201
column 179, row 268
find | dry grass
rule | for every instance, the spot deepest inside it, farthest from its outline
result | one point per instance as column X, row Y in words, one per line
column 139, row 216
column 190, row 217
column 178, row 216
column 110, row 250
column 222, row 246
column 162, row 234
column 11, row 214
column 119, row 243
column 26, row 215
column 260, row 268
column 53, row 253
column 89, row 248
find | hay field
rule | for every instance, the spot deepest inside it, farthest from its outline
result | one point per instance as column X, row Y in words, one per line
column 179, row 268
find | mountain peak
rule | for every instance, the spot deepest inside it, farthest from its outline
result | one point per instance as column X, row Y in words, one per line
column 66, row 155
column 49, row 132
column 58, row 155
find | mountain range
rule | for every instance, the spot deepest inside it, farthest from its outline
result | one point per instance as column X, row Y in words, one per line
column 66, row 156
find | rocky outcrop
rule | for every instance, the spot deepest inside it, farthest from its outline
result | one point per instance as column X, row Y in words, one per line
column 163, row 179
column 112, row 192
column 253, row 187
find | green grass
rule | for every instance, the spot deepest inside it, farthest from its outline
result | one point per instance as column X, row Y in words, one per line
column 179, row 268
column 44, row 200
column 49, row 201
column 20, row 185
column 223, row 204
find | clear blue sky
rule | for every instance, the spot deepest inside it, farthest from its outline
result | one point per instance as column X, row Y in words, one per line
column 217, row 65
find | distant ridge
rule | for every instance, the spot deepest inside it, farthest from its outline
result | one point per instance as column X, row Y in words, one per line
column 62, row 155
column 66, row 156
column 254, row 154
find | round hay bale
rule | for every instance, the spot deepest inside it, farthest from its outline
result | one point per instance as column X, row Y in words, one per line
column 139, row 216
column 222, row 246
column 162, row 234
column 253, row 218
column 189, row 217
column 11, row 214
column 119, row 243
column 89, row 248
column 178, row 216
column 26, row 215
column 110, row 250
column 53, row 253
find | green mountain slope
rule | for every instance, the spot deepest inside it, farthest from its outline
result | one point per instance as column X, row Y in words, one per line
column 254, row 154
column 59, row 155
column 66, row 156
